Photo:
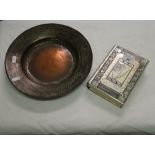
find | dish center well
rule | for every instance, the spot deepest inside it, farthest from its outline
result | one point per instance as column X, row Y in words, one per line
column 48, row 62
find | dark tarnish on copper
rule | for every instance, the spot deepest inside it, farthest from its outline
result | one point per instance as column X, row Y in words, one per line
column 48, row 61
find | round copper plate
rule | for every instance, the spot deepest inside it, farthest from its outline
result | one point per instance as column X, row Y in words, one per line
column 48, row 61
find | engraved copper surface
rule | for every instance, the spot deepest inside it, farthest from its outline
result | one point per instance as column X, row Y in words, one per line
column 52, row 63
column 48, row 61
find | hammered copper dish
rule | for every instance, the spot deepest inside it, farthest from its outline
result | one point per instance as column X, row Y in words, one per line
column 48, row 61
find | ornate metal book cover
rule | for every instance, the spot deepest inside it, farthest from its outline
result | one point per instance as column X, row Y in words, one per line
column 117, row 75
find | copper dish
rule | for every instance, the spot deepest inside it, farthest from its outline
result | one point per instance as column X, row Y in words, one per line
column 48, row 61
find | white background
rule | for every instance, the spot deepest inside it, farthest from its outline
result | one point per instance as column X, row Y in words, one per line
column 105, row 9
column 81, row 111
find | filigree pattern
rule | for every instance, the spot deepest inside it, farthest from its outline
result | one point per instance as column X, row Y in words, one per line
column 136, row 73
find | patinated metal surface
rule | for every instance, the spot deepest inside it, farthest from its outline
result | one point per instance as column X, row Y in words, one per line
column 48, row 61
column 117, row 75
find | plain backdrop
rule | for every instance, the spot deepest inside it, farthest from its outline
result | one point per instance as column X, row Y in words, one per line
column 83, row 112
